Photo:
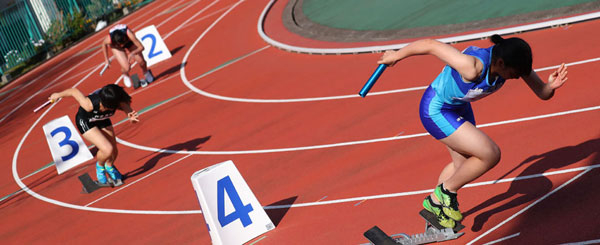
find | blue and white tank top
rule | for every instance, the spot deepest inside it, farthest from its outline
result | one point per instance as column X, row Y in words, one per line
column 453, row 90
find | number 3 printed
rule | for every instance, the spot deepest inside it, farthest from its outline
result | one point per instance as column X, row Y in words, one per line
column 66, row 141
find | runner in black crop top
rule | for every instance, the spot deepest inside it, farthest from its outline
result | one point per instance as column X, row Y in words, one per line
column 93, row 122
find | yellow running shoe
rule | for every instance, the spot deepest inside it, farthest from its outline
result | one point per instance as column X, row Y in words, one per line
column 449, row 201
column 436, row 209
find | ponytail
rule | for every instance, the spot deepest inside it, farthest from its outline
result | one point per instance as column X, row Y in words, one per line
column 515, row 53
column 496, row 39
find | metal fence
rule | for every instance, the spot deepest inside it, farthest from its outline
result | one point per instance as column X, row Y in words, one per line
column 29, row 28
column 19, row 33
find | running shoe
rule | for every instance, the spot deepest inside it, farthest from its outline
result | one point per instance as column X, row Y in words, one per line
column 436, row 209
column 100, row 174
column 143, row 83
column 114, row 175
column 449, row 201
column 127, row 81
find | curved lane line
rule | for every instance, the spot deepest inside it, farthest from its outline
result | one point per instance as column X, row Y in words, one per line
column 453, row 39
column 107, row 210
column 313, row 147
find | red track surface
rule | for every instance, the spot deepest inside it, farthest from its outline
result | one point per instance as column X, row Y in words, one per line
column 194, row 122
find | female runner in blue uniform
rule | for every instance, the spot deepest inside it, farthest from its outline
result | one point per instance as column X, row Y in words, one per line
column 446, row 112
column 122, row 40
column 94, row 124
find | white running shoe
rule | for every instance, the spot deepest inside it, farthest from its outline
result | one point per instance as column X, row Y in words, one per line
column 127, row 81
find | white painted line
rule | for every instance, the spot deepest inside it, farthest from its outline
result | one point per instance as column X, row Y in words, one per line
column 422, row 192
column 43, row 90
column 154, row 212
column 187, row 83
column 69, row 205
column 529, row 206
column 258, row 240
column 461, row 38
column 230, row 63
column 504, row 238
column 208, row 15
column 138, row 180
column 187, row 54
column 597, row 241
column 193, row 17
column 349, row 143
column 63, row 204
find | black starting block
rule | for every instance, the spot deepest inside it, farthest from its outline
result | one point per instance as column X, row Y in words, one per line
column 90, row 185
column 378, row 237
column 135, row 80
column 434, row 232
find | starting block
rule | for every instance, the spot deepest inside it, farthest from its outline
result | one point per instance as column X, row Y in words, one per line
column 434, row 232
column 135, row 80
column 90, row 185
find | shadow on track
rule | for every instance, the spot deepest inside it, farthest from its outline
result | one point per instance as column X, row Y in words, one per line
column 276, row 215
column 191, row 145
column 525, row 191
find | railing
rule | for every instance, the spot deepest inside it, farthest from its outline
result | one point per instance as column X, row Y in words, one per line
column 30, row 30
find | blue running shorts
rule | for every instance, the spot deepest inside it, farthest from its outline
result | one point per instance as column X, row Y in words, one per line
column 441, row 119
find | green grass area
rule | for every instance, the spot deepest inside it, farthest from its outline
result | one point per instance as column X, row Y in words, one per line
column 403, row 14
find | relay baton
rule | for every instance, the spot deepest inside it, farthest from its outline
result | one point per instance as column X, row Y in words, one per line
column 365, row 89
column 42, row 106
column 103, row 69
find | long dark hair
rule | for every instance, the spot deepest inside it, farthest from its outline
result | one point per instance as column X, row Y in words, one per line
column 112, row 95
column 515, row 53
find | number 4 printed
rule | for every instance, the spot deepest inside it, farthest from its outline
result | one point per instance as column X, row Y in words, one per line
column 241, row 211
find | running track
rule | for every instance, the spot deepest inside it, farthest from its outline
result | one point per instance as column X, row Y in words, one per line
column 326, row 164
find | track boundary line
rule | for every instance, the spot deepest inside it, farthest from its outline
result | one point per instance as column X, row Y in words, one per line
column 452, row 39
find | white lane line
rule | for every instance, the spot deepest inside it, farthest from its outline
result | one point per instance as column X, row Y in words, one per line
column 156, row 212
column 59, row 77
column 529, row 206
column 231, row 62
column 349, row 143
column 187, row 54
column 422, row 192
column 504, row 238
column 188, row 83
column 25, row 188
column 59, row 203
column 69, row 205
column 138, row 180
column 597, row 241
column 193, row 17
column 451, row 39
column 43, row 90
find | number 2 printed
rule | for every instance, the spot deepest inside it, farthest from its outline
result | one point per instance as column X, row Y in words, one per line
column 152, row 51
column 66, row 141
column 241, row 211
